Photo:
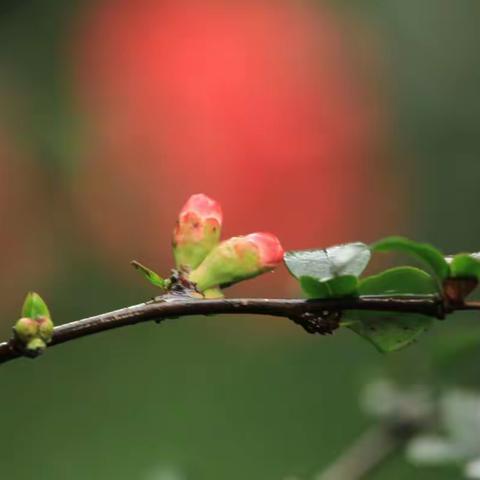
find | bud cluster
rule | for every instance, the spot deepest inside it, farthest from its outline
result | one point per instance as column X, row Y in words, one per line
column 34, row 330
column 212, row 264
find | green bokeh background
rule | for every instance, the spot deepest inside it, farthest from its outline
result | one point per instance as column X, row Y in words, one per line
column 207, row 399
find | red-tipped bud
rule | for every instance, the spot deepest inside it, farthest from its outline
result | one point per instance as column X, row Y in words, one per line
column 238, row 258
column 269, row 248
column 197, row 231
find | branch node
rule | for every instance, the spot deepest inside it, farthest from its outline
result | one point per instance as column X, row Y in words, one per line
column 17, row 348
column 323, row 323
column 455, row 291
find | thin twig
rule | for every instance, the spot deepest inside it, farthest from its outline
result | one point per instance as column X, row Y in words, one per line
column 404, row 418
column 369, row 452
column 296, row 309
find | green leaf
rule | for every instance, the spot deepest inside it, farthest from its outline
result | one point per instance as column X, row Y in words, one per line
column 464, row 265
column 343, row 286
column 349, row 259
column 150, row 275
column 34, row 306
column 389, row 331
column 313, row 288
column 426, row 252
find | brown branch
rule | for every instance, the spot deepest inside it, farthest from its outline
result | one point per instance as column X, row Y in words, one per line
column 300, row 311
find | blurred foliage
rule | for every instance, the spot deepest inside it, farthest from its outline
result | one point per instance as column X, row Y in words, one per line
column 218, row 398
column 32, row 54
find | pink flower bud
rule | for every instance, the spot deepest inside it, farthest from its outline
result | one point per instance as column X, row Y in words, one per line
column 238, row 258
column 269, row 248
column 197, row 231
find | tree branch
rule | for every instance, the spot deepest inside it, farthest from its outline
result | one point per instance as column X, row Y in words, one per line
column 370, row 451
column 298, row 310
column 401, row 420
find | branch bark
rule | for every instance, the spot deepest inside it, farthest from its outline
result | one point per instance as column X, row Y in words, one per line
column 298, row 310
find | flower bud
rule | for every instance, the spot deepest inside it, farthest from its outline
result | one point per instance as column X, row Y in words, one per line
column 238, row 258
column 45, row 328
column 35, row 347
column 26, row 329
column 197, row 231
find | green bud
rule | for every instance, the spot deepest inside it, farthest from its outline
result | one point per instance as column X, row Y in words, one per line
column 26, row 329
column 35, row 347
column 35, row 329
column 45, row 328
column 213, row 292
column 236, row 259
column 34, row 306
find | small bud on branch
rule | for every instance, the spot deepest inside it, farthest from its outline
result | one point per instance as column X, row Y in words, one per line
column 34, row 330
column 197, row 231
column 237, row 259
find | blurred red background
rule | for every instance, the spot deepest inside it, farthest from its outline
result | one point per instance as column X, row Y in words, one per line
column 262, row 105
column 26, row 234
column 303, row 117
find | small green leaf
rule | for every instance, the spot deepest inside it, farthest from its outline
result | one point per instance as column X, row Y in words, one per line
column 426, row 252
column 343, row 286
column 34, row 307
column 464, row 265
column 389, row 331
column 150, row 275
column 324, row 264
column 313, row 288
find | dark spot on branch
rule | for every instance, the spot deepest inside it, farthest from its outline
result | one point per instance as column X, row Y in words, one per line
column 323, row 323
